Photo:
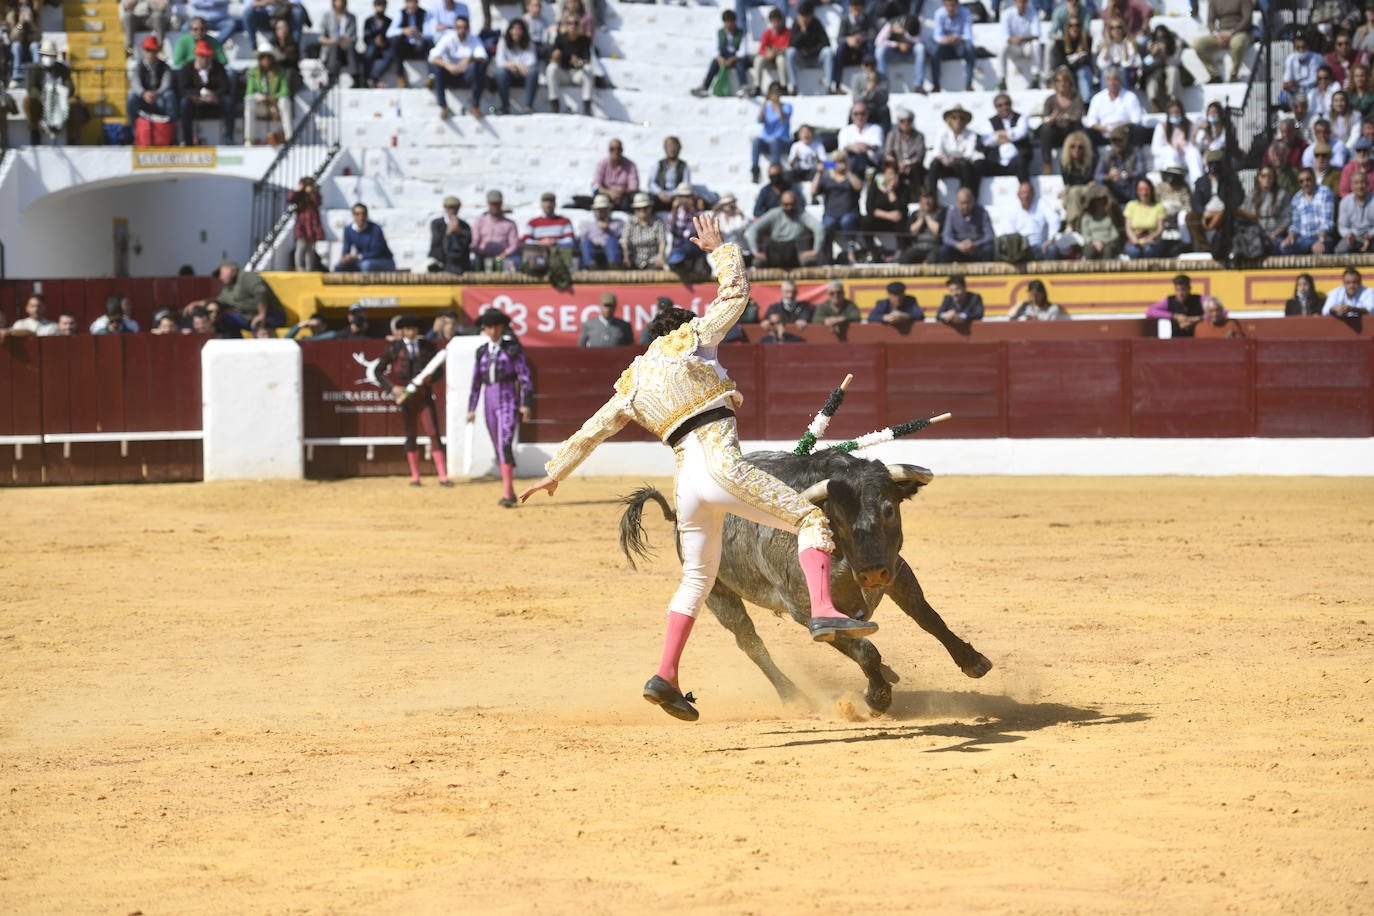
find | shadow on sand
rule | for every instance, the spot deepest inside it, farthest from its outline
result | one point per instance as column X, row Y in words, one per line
column 996, row 720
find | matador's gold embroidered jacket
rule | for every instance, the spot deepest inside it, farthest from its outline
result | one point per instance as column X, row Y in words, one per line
column 670, row 382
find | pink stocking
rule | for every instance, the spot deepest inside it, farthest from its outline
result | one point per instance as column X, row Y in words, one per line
column 508, row 479
column 815, row 563
column 413, row 459
column 679, row 628
column 441, row 465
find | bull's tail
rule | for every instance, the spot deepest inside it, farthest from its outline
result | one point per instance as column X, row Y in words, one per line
column 632, row 540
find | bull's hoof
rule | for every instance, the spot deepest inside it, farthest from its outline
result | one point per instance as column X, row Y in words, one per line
column 879, row 698
column 978, row 667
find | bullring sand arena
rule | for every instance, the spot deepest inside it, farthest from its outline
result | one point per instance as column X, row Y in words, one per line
column 357, row 697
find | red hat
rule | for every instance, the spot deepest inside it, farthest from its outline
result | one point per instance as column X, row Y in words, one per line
column 151, row 43
column 203, row 49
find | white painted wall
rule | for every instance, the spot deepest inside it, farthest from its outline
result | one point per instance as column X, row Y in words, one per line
column 252, row 409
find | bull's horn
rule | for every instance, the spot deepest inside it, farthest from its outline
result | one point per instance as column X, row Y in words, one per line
column 818, row 492
column 903, row 473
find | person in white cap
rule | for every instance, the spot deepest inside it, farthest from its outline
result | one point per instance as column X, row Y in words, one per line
column 48, row 106
column 600, row 241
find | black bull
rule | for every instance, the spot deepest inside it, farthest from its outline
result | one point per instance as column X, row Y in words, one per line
column 862, row 499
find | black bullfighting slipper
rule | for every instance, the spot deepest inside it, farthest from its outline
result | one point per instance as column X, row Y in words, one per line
column 829, row 629
column 663, row 694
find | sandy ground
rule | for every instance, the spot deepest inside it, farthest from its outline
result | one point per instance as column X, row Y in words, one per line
column 327, row 697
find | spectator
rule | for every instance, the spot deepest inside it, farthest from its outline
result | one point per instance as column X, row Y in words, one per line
column 906, row 146
column 35, row 319
column 956, row 151
column 1215, row 322
column 927, row 228
column 1319, row 96
column 774, row 331
column 1337, row 154
column 206, row 90
column 1120, row 166
column 1360, row 92
column 150, row 84
column 731, row 221
column 458, row 60
column 1077, row 170
column 840, row 188
column 1111, row 108
column 775, row 116
column 450, row 240
column 1161, row 78
column 244, row 293
column 770, row 196
column 577, row 12
column 1118, row 50
column 742, row 8
column 287, row 47
column 1037, row 306
column 1072, row 51
column 447, row 326
column 1276, row 157
column 616, row 176
column 1306, row 300
column 308, row 228
column 663, row 304
column 66, row 325
column 164, row 322
column 570, row 64
column 1313, row 212
column 1363, row 41
column 859, row 141
column 1021, row 41
column 645, row 239
column 897, row 310
column 952, row 35
column 959, row 307
column 1321, row 167
column 517, row 58
column 315, row 324
column 1345, row 121
column 1215, row 194
column 1061, row 116
column 1134, row 15
column 789, row 308
column 886, row 200
column 777, row 38
column 1351, row 299
column 1035, row 222
column 1269, row 206
column 339, row 43
column 684, row 256
column 1228, row 28
column 1299, row 70
column 364, row 245
column 1302, row 122
column 854, row 43
column 263, row 16
column 1363, row 161
column 1172, row 142
column 20, row 32
column 1177, row 200
column 266, row 96
column 1183, row 308
column 968, row 232
column 495, row 237
column 1213, row 132
column 808, row 45
column 836, row 312
column 870, row 88
column 1008, row 135
column 790, row 236
column 114, row 321
column 900, row 39
column 409, row 35
column 49, row 105
column 378, row 57
column 1144, row 223
column 444, row 18
column 805, row 156
column 604, row 329
column 670, row 173
column 144, row 15
column 216, row 16
column 549, row 228
column 1099, row 226
column 1355, row 221
column 601, row 237
column 730, row 40
column 1066, row 10
column 184, row 48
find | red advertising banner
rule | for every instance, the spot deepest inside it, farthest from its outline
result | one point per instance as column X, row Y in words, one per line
column 543, row 316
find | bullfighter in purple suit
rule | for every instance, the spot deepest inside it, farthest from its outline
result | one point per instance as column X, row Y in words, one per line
column 501, row 368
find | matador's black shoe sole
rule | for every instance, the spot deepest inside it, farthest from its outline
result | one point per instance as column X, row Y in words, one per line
column 667, row 697
column 829, row 629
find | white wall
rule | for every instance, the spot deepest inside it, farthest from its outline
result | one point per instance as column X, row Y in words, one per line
column 252, row 410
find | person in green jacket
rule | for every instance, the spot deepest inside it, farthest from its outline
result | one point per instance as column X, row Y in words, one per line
column 267, row 95
column 184, row 51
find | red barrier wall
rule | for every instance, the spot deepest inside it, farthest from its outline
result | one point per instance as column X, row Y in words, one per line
column 85, row 297
column 105, row 384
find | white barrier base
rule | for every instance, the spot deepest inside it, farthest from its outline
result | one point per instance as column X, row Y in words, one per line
column 252, row 409
column 1031, row 457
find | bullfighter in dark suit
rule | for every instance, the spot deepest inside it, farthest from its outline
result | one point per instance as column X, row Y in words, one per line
column 401, row 362
column 501, row 368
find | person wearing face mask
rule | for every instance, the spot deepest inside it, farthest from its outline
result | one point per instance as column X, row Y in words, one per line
column 51, row 98
column 501, row 377
column 1172, row 142
column 770, row 195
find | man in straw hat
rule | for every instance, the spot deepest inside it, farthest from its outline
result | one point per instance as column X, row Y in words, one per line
column 956, row 152
column 48, row 106
column 680, row 392
column 267, row 95
column 600, row 243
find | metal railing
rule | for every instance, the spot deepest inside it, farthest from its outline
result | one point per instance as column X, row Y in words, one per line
column 315, row 141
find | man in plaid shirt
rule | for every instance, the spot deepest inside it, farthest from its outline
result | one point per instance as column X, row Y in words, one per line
column 1313, row 211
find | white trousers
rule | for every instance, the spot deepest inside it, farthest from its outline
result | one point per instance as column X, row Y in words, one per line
column 255, row 111
column 714, row 480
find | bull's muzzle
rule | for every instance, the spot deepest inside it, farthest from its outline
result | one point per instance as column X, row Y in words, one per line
column 878, row 577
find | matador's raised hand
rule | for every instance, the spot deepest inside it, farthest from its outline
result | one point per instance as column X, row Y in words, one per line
column 708, row 237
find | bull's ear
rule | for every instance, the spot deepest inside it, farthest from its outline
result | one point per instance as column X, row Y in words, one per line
column 909, row 477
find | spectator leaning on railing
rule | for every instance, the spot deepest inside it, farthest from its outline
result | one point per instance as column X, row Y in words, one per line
column 1351, row 299
column 897, row 309
column 1183, row 308
column 35, row 319
column 960, row 307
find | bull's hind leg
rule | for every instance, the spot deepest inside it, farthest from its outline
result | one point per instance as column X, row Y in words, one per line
column 866, row 656
column 906, row 591
column 729, row 610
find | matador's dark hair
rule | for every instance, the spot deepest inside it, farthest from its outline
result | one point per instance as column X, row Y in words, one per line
column 669, row 320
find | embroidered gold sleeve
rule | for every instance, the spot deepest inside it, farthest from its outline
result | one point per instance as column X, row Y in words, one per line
column 731, row 297
column 603, row 424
